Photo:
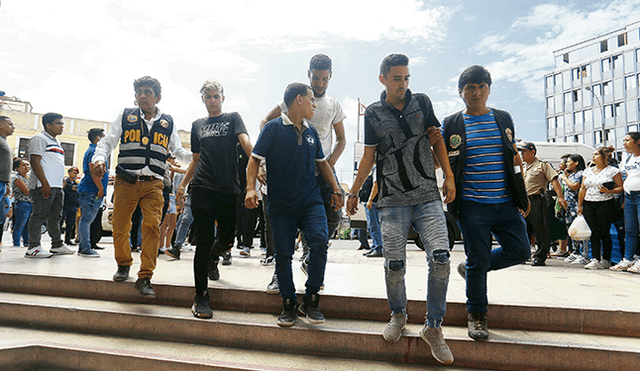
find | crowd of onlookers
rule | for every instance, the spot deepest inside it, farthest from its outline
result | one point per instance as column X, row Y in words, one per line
column 606, row 193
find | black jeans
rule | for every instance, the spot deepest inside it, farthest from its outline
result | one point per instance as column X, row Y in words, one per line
column 207, row 208
column 599, row 216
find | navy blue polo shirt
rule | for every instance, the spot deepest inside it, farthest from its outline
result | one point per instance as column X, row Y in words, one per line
column 290, row 156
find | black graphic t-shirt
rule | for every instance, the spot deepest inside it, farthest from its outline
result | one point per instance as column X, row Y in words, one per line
column 215, row 139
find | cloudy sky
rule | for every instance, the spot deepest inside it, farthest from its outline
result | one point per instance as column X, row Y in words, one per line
column 79, row 58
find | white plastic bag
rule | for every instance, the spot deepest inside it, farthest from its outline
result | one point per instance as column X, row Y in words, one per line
column 579, row 229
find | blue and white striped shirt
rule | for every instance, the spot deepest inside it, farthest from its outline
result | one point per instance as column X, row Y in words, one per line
column 484, row 178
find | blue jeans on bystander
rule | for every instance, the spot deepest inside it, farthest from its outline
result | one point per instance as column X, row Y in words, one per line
column 21, row 214
column 89, row 207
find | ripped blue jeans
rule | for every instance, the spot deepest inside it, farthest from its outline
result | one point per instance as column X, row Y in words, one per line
column 429, row 221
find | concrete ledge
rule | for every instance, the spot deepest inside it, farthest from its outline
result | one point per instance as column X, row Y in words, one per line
column 57, row 357
column 538, row 318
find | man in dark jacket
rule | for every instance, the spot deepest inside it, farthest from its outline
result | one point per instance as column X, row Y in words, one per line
column 490, row 194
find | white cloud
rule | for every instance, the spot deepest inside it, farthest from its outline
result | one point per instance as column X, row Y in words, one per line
column 565, row 25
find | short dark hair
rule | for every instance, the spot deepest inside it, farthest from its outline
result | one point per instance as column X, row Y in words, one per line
column 49, row 118
column 633, row 134
column 293, row 90
column 148, row 81
column 474, row 75
column 393, row 60
column 17, row 161
column 320, row 62
column 4, row 118
column 94, row 133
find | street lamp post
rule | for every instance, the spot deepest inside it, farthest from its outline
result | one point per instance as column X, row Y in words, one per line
column 604, row 135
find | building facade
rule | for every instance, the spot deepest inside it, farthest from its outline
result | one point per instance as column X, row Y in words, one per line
column 592, row 93
column 74, row 138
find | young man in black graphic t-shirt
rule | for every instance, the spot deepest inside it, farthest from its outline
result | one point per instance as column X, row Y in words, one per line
column 215, row 186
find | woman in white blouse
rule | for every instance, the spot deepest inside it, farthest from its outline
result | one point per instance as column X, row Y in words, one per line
column 631, row 167
column 596, row 201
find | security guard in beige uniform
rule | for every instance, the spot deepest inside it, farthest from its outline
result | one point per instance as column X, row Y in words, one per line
column 537, row 176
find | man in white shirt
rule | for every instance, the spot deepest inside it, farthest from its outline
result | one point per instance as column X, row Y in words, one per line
column 45, row 184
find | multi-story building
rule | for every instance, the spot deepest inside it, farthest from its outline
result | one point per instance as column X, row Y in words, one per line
column 592, row 93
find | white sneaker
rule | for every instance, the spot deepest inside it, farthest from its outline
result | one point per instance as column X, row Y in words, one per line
column 594, row 264
column 37, row 252
column 605, row 264
column 635, row 268
column 623, row 265
column 580, row 260
column 571, row 258
column 162, row 249
column 62, row 250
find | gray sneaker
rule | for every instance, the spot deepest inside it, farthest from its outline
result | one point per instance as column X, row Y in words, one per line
column 393, row 331
column 61, row 250
column 462, row 269
column 439, row 349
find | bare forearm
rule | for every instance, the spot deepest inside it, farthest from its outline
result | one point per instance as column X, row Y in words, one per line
column 252, row 172
column 327, row 175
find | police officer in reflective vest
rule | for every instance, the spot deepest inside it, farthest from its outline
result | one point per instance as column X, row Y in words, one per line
column 146, row 137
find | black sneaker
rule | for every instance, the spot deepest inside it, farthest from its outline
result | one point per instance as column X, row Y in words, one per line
column 273, row 287
column 477, row 326
column 200, row 307
column 143, row 285
column 310, row 308
column 226, row 258
column 269, row 260
column 214, row 273
column 122, row 274
column 173, row 252
column 289, row 313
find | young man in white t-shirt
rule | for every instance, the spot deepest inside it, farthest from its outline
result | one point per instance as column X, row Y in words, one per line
column 327, row 119
column 45, row 183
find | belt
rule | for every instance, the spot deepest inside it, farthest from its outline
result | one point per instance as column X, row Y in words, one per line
column 536, row 196
column 146, row 178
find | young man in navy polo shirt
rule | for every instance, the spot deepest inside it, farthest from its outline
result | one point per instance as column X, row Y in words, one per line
column 291, row 149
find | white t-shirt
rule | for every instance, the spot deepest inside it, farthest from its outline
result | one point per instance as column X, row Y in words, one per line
column 631, row 166
column 328, row 112
column 43, row 144
column 592, row 181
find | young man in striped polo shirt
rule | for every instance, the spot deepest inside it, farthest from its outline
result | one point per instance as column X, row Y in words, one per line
column 490, row 195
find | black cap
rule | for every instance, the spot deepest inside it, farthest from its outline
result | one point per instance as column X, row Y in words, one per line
column 527, row 145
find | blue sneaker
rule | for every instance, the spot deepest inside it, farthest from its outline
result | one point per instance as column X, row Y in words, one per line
column 89, row 254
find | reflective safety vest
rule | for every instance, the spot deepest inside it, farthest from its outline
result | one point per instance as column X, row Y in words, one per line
column 140, row 147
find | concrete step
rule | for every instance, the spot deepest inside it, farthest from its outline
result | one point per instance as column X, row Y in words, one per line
column 57, row 350
column 342, row 338
column 516, row 317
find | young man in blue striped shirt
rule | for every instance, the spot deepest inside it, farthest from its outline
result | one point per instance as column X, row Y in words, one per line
column 487, row 169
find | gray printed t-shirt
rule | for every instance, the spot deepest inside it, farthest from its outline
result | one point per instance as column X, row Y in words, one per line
column 405, row 168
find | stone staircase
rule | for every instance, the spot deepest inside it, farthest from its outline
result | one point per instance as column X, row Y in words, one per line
column 167, row 336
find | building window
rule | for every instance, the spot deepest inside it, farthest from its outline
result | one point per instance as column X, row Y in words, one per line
column 577, row 95
column 606, row 64
column 608, row 111
column 631, row 82
column 585, row 70
column 69, row 152
column 575, row 74
column 22, row 147
column 622, row 39
column 603, row 46
column 596, row 90
column 549, row 81
column 616, row 61
column 597, row 136
column 587, row 115
column 606, row 88
column 565, row 57
column 632, row 128
column 567, row 98
column 550, row 103
column 551, row 123
column 618, row 109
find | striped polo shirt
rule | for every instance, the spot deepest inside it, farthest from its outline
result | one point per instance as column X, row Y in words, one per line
column 484, row 178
